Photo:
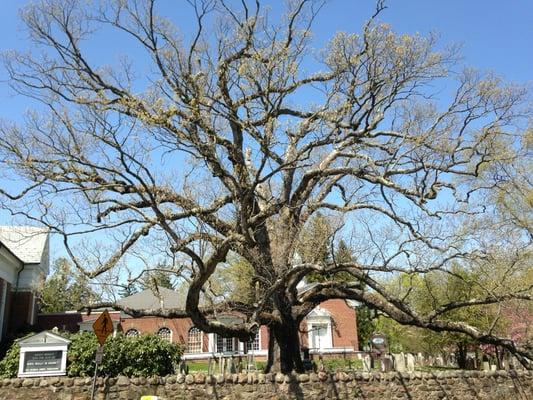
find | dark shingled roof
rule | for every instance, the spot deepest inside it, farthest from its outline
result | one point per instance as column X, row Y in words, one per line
column 147, row 299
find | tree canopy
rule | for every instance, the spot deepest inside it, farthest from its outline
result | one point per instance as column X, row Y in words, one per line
column 237, row 137
column 65, row 289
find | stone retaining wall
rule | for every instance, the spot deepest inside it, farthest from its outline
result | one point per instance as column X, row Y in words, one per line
column 463, row 385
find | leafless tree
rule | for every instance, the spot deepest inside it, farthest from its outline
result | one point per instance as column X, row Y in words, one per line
column 233, row 139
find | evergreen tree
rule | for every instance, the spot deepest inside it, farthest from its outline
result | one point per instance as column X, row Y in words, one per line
column 65, row 289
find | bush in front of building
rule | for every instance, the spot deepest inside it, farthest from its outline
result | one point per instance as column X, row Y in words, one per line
column 145, row 355
column 9, row 365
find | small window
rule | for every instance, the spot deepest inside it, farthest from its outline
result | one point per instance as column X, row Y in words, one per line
column 132, row 333
column 225, row 345
column 165, row 333
column 194, row 340
column 254, row 344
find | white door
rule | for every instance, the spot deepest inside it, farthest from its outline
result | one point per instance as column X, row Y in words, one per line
column 319, row 336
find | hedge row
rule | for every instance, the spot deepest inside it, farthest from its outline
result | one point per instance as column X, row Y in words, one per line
column 145, row 355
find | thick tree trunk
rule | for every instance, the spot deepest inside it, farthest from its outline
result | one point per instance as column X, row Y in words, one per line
column 461, row 355
column 273, row 360
column 284, row 349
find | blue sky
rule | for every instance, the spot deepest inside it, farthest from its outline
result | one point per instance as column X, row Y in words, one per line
column 495, row 35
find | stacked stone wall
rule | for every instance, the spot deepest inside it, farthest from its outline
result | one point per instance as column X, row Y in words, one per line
column 463, row 385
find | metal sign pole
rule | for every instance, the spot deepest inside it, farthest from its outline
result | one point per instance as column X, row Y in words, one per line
column 97, row 361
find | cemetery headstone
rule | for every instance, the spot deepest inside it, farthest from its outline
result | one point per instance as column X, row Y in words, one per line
column 470, row 363
column 399, row 362
column 367, row 363
column 439, row 361
column 386, row 364
column 410, row 362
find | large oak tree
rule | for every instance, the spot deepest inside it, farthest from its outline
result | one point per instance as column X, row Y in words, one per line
column 228, row 140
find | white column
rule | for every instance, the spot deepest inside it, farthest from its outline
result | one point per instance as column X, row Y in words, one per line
column 211, row 342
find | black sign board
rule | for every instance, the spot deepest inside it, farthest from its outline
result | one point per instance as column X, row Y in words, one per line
column 42, row 361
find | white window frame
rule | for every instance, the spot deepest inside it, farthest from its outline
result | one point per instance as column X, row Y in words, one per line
column 225, row 341
column 201, row 334
column 257, row 339
column 131, row 330
column 158, row 333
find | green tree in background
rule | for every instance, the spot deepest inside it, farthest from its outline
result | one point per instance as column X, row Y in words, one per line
column 65, row 289
column 157, row 278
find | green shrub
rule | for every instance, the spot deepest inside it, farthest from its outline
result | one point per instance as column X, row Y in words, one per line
column 341, row 364
column 9, row 365
column 146, row 355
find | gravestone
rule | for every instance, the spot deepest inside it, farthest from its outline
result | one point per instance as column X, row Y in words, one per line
column 367, row 363
column 485, row 366
column 230, row 366
column 410, row 362
column 399, row 362
column 386, row 364
column 470, row 363
column 43, row 354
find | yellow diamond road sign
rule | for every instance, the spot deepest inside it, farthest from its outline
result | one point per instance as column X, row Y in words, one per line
column 103, row 327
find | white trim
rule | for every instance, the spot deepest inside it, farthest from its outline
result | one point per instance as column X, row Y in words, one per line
column 9, row 265
column 211, row 342
column 327, row 341
column 319, row 316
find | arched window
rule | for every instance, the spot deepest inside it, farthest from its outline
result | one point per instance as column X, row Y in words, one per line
column 194, row 340
column 165, row 333
column 132, row 332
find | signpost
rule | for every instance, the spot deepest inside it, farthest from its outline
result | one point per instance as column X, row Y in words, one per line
column 102, row 327
column 379, row 347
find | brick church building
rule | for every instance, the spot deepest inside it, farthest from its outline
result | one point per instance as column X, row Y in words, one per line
column 24, row 260
column 330, row 329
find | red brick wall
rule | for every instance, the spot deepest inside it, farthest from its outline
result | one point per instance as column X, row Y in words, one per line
column 344, row 323
column 179, row 327
column 264, row 337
